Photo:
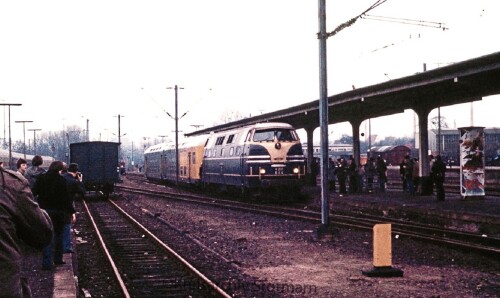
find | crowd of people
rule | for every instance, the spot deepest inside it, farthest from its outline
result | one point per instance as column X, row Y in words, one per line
column 37, row 210
column 372, row 176
column 353, row 177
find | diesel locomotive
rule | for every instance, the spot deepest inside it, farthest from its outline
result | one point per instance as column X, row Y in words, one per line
column 254, row 157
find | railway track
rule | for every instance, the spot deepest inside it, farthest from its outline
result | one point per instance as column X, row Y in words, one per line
column 456, row 239
column 143, row 265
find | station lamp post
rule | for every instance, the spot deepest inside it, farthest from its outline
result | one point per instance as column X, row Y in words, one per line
column 34, row 130
column 10, row 139
column 119, row 128
column 24, row 134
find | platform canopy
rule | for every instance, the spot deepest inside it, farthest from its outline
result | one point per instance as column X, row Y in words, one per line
column 462, row 82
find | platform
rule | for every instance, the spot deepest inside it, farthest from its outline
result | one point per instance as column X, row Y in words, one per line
column 477, row 216
column 57, row 283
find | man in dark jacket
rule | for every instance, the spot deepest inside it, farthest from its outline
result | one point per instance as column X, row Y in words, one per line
column 76, row 190
column 342, row 175
column 20, row 219
column 437, row 173
column 53, row 196
column 381, row 168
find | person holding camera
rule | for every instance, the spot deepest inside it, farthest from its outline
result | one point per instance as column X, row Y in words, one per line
column 54, row 198
column 76, row 189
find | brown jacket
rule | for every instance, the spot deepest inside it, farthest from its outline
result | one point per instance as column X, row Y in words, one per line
column 21, row 219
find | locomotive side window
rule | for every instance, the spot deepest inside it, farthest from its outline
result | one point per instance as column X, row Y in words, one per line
column 231, row 151
column 238, row 150
column 220, row 140
column 230, row 139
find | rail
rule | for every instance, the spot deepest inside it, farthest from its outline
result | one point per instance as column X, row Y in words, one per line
column 469, row 241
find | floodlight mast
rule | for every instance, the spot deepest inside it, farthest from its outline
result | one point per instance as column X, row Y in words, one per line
column 34, row 130
column 9, row 166
column 24, row 134
column 176, row 118
column 323, row 114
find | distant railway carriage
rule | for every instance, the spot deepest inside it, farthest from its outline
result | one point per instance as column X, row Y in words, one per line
column 393, row 155
column 98, row 163
column 4, row 157
column 257, row 156
column 160, row 162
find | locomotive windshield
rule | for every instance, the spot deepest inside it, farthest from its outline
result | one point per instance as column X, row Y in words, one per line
column 269, row 135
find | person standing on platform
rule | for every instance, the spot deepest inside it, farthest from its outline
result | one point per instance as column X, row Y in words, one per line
column 353, row 175
column 437, row 173
column 402, row 174
column 22, row 166
column 342, row 175
column 381, row 168
column 53, row 196
column 332, row 169
column 408, row 169
column 21, row 220
column 314, row 171
column 370, row 173
column 416, row 173
column 76, row 190
column 35, row 170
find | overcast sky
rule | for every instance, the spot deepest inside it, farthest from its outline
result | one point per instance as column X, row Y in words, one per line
column 68, row 61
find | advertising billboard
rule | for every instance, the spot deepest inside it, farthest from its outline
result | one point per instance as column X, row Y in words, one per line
column 472, row 175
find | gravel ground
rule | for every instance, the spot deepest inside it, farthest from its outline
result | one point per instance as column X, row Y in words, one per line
column 289, row 261
column 41, row 281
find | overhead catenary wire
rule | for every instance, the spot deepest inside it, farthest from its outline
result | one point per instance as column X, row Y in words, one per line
column 152, row 98
column 353, row 20
column 422, row 23
column 166, row 112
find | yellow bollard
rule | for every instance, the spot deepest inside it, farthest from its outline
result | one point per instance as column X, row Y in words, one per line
column 382, row 253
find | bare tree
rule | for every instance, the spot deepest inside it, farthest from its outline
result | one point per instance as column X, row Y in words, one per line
column 229, row 116
column 435, row 122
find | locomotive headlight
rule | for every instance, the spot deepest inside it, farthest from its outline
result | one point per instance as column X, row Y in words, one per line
column 296, row 170
column 262, row 171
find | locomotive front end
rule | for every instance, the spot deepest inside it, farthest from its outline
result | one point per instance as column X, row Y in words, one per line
column 275, row 157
